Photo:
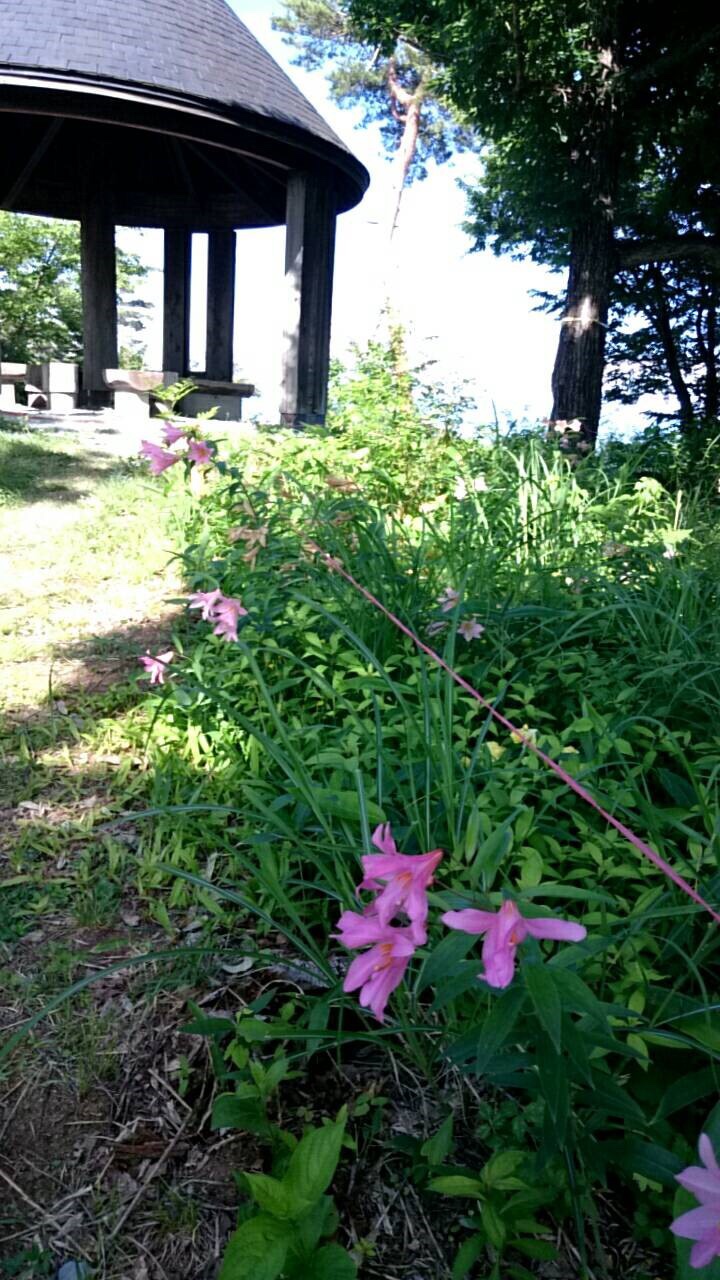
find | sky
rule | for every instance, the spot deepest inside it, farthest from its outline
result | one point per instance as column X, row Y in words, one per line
column 472, row 314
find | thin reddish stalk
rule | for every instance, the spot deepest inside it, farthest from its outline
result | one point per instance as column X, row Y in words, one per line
column 557, row 769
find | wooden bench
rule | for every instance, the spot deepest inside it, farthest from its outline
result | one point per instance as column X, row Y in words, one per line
column 226, row 397
column 133, row 388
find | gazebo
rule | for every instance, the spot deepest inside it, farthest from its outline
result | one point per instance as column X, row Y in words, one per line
column 168, row 113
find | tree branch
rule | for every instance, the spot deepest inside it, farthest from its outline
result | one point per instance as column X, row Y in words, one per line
column 632, row 253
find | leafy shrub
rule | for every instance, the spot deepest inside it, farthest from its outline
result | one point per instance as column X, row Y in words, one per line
column 593, row 590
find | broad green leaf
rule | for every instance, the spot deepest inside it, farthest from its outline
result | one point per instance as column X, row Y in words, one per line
column 332, row 1262
column 466, row 1257
column 500, row 1168
column 273, row 1196
column 246, row 1114
column 498, row 1026
column 494, row 1226
column 346, row 804
column 320, row 1221
column 438, row 1148
column 543, row 1250
column 576, row 996
column 313, row 1163
column 688, row 1089
column 464, row 979
column 646, row 1158
column 444, row 959
column 531, row 870
column 491, row 853
column 256, row 1250
column 456, row 1184
column 545, row 999
column 608, row 1096
column 703, row 1027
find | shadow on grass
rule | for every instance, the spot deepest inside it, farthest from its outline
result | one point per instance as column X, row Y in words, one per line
column 31, row 471
column 103, row 664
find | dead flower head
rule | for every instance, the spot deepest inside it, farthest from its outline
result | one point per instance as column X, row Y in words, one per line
column 342, row 484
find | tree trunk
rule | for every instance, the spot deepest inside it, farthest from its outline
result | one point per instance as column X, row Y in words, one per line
column 406, row 108
column 661, row 320
column 712, row 394
column 596, row 145
column 580, row 361
column 404, row 157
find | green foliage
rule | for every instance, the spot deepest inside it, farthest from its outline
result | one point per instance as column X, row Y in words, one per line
column 586, row 1081
column 597, row 122
column 534, row 79
column 284, row 1239
column 40, row 303
column 664, row 340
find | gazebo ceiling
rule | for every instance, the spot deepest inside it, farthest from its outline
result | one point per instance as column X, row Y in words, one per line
column 170, row 108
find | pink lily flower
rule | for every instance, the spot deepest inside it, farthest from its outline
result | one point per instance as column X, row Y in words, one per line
column 407, row 879
column 470, row 629
column 504, row 931
column 200, row 452
column 171, row 433
column 205, row 601
column 381, row 969
column 702, row 1224
column 448, row 599
column 156, row 666
column 160, row 459
column 226, row 613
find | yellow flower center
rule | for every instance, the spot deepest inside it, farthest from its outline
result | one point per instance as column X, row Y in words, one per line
column 386, row 952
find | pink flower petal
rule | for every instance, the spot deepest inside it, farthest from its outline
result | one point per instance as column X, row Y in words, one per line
column 704, row 1183
column 360, row 970
column 382, row 838
column 469, row 920
column 416, row 903
column 707, row 1155
column 361, row 930
column 171, row 433
column 499, row 961
column 696, row 1224
column 705, row 1250
column 381, row 865
column 391, row 899
column 376, row 993
column 560, row 930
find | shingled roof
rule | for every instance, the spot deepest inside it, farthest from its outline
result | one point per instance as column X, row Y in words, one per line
column 192, row 48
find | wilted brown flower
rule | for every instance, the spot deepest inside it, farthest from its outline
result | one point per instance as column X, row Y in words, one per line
column 342, row 483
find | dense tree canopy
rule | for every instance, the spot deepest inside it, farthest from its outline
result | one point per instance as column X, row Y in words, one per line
column 40, row 304
column 602, row 152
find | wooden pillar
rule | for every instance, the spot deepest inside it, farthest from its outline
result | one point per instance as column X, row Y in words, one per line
column 220, row 305
column 309, row 261
column 99, row 299
column 176, row 300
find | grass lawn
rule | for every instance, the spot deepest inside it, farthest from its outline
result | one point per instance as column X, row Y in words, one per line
column 86, row 574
